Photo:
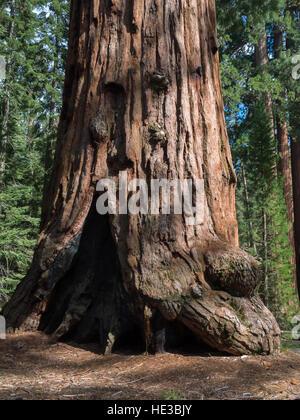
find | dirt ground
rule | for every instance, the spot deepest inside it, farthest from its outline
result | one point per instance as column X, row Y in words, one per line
column 32, row 369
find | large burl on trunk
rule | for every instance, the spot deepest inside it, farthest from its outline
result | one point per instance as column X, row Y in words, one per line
column 142, row 95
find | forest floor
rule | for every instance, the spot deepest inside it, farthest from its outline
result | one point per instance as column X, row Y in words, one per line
column 32, row 369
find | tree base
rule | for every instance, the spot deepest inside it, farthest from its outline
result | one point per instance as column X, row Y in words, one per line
column 83, row 298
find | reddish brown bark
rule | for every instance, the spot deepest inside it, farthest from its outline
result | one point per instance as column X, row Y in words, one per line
column 262, row 60
column 284, row 149
column 295, row 151
column 134, row 65
column 285, row 165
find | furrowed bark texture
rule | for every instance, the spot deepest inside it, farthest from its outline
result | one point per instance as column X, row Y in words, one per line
column 143, row 95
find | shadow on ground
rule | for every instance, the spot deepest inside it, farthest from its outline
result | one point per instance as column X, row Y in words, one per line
column 31, row 368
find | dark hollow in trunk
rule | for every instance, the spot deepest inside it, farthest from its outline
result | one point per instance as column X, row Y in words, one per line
column 135, row 101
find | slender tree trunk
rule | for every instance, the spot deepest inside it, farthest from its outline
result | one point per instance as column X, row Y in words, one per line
column 266, row 259
column 143, row 95
column 262, row 60
column 284, row 150
column 6, row 101
column 285, row 166
column 295, row 146
column 247, row 201
column 295, row 155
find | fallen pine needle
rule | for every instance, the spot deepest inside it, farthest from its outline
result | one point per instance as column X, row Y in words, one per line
column 74, row 396
column 82, row 373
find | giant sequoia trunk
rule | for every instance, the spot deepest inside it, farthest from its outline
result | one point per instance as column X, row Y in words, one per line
column 142, row 95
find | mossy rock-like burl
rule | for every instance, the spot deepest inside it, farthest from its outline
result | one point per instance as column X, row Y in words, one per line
column 232, row 271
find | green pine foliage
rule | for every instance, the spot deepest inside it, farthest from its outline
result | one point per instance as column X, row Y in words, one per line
column 261, row 208
column 33, row 88
column 267, row 195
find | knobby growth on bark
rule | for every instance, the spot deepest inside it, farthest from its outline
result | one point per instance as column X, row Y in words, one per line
column 132, row 66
